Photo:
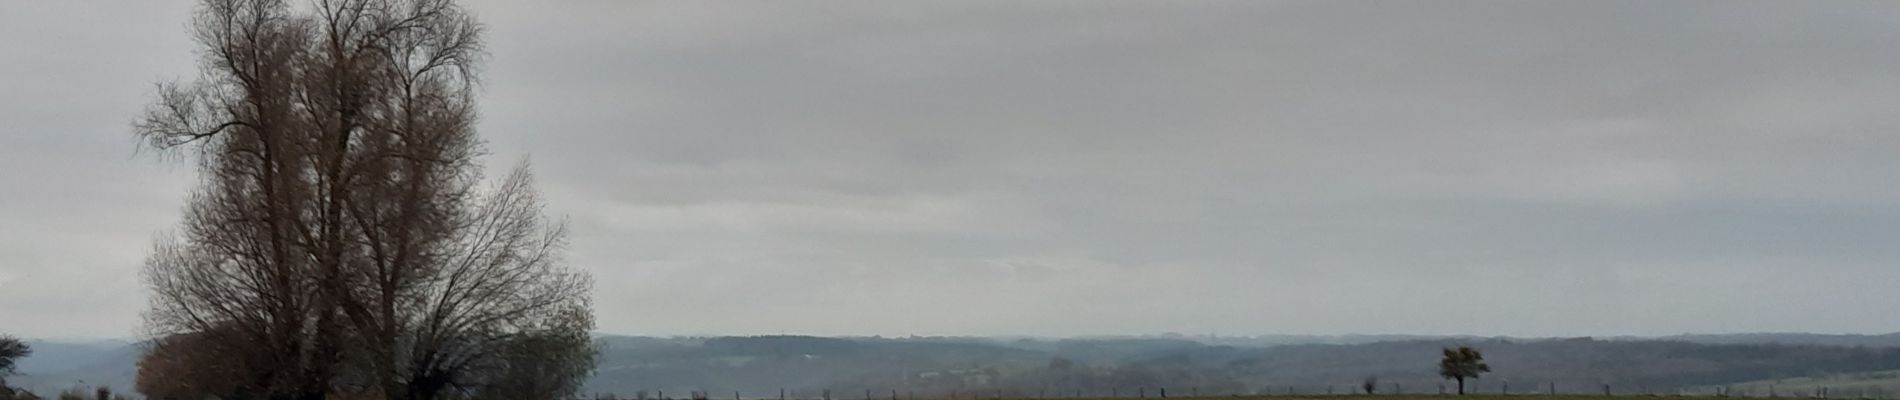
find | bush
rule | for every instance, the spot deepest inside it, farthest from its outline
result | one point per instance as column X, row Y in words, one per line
column 74, row 393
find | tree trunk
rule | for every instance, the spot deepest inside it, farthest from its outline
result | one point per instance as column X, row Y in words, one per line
column 1461, row 386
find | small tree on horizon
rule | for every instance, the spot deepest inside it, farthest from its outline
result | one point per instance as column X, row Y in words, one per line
column 1462, row 363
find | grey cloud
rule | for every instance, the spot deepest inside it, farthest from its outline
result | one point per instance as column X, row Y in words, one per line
column 1116, row 167
column 78, row 208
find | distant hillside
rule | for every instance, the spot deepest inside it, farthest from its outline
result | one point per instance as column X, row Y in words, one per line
column 57, row 365
column 1102, row 366
column 803, row 365
column 1572, row 365
column 765, row 364
column 1886, row 340
column 1874, row 384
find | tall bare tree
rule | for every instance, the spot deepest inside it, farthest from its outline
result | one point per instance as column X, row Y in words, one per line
column 341, row 240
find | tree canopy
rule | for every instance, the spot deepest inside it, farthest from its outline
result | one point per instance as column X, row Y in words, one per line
column 11, row 351
column 1462, row 363
column 342, row 240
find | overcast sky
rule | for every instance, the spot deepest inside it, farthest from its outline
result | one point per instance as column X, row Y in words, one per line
column 1054, row 168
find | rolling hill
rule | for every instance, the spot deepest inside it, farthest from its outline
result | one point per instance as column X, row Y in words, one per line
column 807, row 366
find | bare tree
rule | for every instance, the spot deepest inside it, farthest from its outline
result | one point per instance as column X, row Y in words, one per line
column 545, row 367
column 1462, row 363
column 341, row 241
column 11, row 351
column 190, row 366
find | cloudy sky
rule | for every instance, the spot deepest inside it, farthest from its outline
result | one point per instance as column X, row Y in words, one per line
column 1057, row 168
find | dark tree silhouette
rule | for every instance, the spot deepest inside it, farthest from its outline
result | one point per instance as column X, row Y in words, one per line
column 341, row 241
column 11, row 351
column 1462, row 363
column 190, row 366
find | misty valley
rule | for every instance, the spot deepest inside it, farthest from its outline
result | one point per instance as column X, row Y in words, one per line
column 1792, row 365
